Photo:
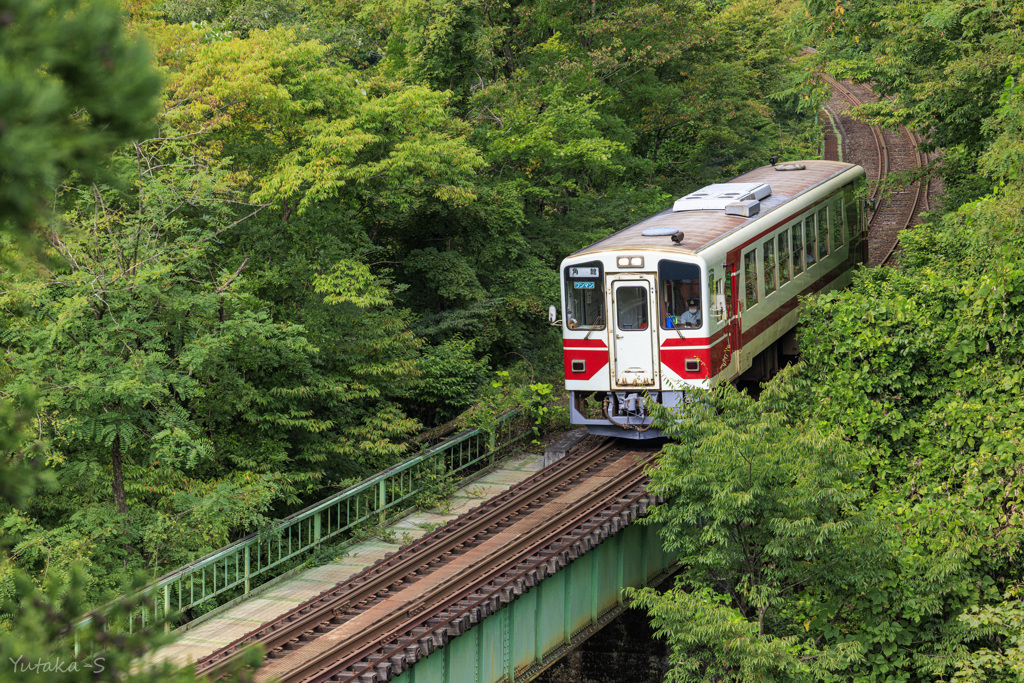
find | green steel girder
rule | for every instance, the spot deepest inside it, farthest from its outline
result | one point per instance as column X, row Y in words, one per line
column 518, row 642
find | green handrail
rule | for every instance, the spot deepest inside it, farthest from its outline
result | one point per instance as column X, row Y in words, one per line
column 264, row 554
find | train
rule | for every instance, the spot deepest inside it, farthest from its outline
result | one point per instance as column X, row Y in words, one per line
column 706, row 291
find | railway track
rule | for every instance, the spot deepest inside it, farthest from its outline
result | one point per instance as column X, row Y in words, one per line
column 399, row 610
column 881, row 152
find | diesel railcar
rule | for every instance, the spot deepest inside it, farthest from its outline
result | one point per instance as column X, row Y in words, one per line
column 706, row 291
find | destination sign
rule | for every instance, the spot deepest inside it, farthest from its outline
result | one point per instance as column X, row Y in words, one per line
column 576, row 271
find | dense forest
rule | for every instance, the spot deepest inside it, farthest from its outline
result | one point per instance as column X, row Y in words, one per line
column 249, row 249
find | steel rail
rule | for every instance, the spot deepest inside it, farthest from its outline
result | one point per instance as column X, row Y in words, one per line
column 881, row 149
column 540, row 564
column 922, row 189
column 883, row 156
column 346, row 654
column 376, row 578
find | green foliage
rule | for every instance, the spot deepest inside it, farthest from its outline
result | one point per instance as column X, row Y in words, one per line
column 21, row 455
column 437, row 486
column 540, row 405
column 128, row 337
column 390, row 168
column 43, row 643
column 74, row 87
column 451, row 378
column 924, row 363
column 718, row 644
column 351, row 282
column 1002, row 626
column 765, row 516
column 1004, row 157
column 178, row 411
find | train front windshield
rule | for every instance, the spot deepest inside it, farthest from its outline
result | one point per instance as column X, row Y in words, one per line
column 680, row 295
column 584, row 296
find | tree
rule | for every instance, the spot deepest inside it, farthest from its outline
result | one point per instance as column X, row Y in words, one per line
column 138, row 347
column 181, row 406
column 37, row 635
column 74, row 87
column 764, row 513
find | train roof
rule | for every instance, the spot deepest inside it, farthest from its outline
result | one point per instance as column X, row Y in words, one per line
column 702, row 215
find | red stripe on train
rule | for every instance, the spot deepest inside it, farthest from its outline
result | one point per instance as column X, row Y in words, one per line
column 594, row 360
column 675, row 360
column 584, row 343
column 695, row 341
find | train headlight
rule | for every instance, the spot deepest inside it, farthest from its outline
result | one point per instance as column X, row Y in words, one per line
column 630, row 261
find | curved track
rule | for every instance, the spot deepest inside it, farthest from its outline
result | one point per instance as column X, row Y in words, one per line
column 384, row 619
column 881, row 152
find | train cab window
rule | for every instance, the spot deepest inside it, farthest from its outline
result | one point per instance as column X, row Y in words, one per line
column 631, row 308
column 584, row 296
column 768, row 258
column 798, row 250
column 716, row 296
column 750, row 277
column 809, row 241
column 837, row 225
column 783, row 241
column 678, row 288
column 822, row 233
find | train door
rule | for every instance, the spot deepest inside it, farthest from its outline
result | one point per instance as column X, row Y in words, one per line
column 732, row 305
column 633, row 344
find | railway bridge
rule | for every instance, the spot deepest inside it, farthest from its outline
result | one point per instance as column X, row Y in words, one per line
column 523, row 564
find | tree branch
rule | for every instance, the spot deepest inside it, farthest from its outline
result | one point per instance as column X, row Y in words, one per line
column 227, row 284
column 256, row 211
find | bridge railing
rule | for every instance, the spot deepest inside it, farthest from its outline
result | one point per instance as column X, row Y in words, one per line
column 263, row 555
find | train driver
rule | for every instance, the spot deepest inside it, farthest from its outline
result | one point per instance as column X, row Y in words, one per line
column 691, row 316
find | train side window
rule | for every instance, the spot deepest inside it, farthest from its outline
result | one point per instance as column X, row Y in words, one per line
column 784, row 263
column 798, row 250
column 750, row 277
column 716, row 294
column 809, row 240
column 631, row 308
column 822, row 233
column 727, row 284
column 852, row 213
column 678, row 286
column 768, row 258
column 837, row 224
column 584, row 296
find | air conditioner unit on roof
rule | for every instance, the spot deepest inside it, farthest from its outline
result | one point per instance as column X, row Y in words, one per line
column 716, row 197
